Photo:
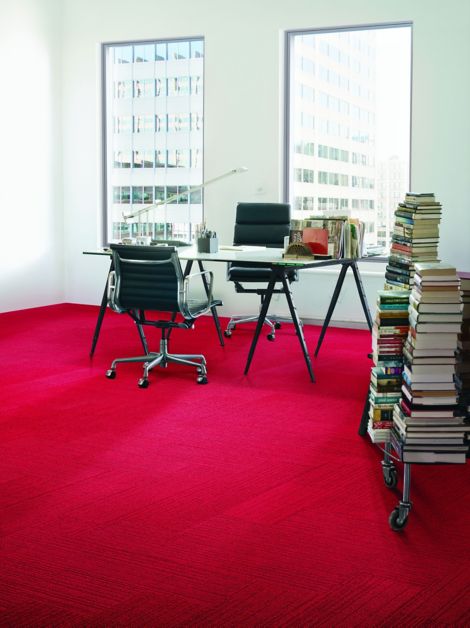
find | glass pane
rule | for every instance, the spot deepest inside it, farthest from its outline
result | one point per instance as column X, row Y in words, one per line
column 123, row 54
column 197, row 49
column 161, row 52
column 144, row 53
column 138, row 163
column 350, row 125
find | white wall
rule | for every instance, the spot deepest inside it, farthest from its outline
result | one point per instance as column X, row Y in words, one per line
column 31, row 250
column 243, row 117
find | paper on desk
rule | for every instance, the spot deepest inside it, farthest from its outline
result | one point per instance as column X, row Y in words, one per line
column 244, row 247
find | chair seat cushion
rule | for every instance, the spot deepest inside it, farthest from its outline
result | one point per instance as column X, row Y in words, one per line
column 197, row 306
column 255, row 273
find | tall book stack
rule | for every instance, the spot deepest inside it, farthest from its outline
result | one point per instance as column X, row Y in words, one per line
column 388, row 335
column 415, row 238
column 462, row 368
column 427, row 426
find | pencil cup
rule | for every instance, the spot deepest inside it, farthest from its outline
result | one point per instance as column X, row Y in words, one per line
column 207, row 245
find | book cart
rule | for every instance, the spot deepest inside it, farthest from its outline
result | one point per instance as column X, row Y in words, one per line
column 392, row 453
column 399, row 516
column 414, row 411
column 431, row 417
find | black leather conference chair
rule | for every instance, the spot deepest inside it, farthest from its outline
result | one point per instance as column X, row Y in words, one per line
column 149, row 279
column 258, row 224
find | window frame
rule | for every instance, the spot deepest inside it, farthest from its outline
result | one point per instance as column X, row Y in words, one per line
column 104, row 122
column 289, row 94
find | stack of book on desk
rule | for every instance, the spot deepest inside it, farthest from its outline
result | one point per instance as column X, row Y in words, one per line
column 338, row 237
column 388, row 335
column 427, row 426
column 462, row 367
column 415, row 238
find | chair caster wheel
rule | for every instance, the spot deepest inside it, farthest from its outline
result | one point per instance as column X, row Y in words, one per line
column 143, row 383
column 270, row 337
column 202, row 379
column 227, row 333
column 277, row 325
column 111, row 374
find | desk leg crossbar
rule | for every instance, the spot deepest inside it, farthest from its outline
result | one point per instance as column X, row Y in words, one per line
column 339, row 284
column 279, row 274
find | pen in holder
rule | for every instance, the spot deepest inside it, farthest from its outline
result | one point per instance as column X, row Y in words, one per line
column 207, row 245
column 207, row 241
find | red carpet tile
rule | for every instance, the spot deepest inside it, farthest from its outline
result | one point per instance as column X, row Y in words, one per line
column 250, row 501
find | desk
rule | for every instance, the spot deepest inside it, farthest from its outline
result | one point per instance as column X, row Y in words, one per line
column 279, row 267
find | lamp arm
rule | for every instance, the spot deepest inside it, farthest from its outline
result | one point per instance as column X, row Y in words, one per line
column 177, row 196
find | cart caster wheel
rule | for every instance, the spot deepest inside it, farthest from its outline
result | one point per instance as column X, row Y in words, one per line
column 277, row 325
column 143, row 383
column 111, row 374
column 202, row 379
column 270, row 337
column 227, row 333
column 390, row 477
column 397, row 522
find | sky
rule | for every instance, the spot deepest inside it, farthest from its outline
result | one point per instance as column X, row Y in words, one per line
column 393, row 92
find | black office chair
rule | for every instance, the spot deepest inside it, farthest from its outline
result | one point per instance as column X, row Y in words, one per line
column 258, row 224
column 149, row 278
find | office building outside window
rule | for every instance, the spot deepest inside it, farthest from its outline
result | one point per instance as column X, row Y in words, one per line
column 153, row 137
column 348, row 124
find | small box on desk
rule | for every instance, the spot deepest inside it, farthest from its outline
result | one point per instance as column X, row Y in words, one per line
column 207, row 245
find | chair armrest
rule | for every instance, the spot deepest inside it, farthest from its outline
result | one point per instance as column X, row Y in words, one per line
column 112, row 292
column 191, row 308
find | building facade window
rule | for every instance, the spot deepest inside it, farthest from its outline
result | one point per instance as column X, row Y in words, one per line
column 348, row 94
column 153, row 137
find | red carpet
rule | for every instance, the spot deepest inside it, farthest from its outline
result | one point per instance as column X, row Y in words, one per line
column 247, row 502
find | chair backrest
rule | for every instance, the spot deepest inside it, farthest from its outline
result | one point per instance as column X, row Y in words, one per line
column 262, row 224
column 147, row 277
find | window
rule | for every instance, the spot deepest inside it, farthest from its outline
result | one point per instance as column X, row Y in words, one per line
column 359, row 123
column 153, row 121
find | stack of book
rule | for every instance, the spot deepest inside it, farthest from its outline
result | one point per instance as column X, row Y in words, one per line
column 338, row 237
column 427, row 424
column 462, row 367
column 415, row 238
column 388, row 335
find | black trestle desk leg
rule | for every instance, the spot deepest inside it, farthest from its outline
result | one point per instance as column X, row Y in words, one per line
column 362, row 294
column 331, row 308
column 103, row 306
column 261, row 318
column 215, row 314
column 297, row 325
column 142, row 337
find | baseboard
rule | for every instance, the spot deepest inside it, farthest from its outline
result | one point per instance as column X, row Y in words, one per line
column 336, row 323
column 319, row 321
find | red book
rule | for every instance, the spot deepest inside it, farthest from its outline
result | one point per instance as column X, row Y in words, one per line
column 316, row 239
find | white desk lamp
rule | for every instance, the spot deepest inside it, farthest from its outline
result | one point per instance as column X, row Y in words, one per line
column 175, row 197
